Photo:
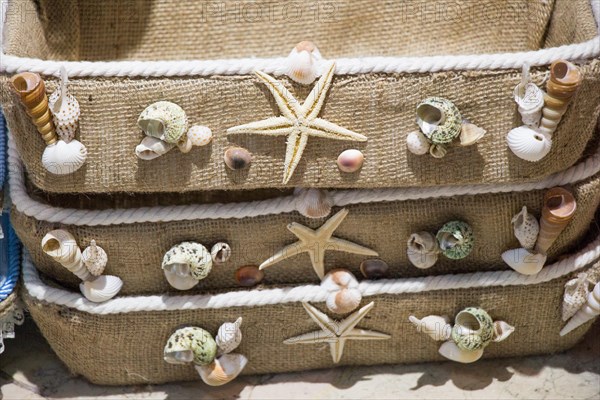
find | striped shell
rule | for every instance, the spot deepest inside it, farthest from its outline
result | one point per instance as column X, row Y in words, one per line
column 190, row 344
column 456, row 239
column 439, row 120
column 473, row 329
column 164, row 120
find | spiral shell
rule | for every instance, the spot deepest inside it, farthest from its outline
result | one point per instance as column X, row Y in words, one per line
column 200, row 135
column 229, row 336
column 559, row 209
column 473, row 329
column 313, row 203
column 526, row 228
column 95, row 259
column 528, row 144
column 455, row 239
column 439, row 120
column 101, row 288
column 301, row 63
column 65, row 110
column 417, row 143
column 576, row 293
column 62, row 247
column 185, row 264
column 343, row 294
column 190, row 345
column 165, row 121
column 589, row 311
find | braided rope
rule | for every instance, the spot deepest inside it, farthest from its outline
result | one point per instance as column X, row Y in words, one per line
column 14, row 259
column 307, row 293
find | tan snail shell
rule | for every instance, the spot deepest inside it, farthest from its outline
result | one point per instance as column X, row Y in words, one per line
column 559, row 209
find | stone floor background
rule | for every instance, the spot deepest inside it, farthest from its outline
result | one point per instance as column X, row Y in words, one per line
column 29, row 370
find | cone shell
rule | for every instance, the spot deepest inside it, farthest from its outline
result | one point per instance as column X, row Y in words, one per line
column 343, row 294
column 165, row 121
column 62, row 247
column 417, row 143
column 473, row 329
column 526, row 228
column 222, row 370
column 530, row 102
column 101, row 288
column 65, row 114
column 452, row 352
column 437, row 327
column 559, row 209
column 200, row 135
column 439, row 120
column 302, row 63
column 95, row 259
column 588, row 312
column 528, row 144
column 151, row 148
column 422, row 250
column 190, row 344
column 229, row 336
column 523, row 261
column 185, row 264
column 455, row 239
column 313, row 203
column 502, row 330
column 576, row 293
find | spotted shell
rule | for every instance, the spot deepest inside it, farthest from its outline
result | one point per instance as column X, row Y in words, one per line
column 473, row 329
column 65, row 114
column 164, row 120
column 192, row 339
column 455, row 239
column 200, row 135
column 194, row 255
column 439, row 120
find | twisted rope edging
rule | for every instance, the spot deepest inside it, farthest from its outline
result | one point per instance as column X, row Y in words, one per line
column 285, row 204
column 308, row 293
column 3, row 160
column 14, row 260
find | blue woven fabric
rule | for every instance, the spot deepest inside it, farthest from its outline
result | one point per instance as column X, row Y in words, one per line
column 3, row 139
column 11, row 246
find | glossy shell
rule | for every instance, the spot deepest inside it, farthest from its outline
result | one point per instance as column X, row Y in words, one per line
column 455, row 239
column 249, row 275
column 237, row 158
column 190, row 344
column 439, row 120
column 194, row 255
column 350, row 160
column 374, row 268
column 165, row 121
column 473, row 329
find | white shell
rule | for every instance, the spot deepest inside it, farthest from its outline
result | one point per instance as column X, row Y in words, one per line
column 200, row 135
column 102, row 288
column 62, row 158
column 302, row 63
column 62, row 247
column 220, row 253
column 229, row 336
column 576, row 293
column 437, row 327
column 528, row 144
column 151, row 148
column 178, row 276
column 417, row 143
column 588, row 312
column 523, row 261
column 343, row 294
column 526, row 228
column 452, row 352
column 313, row 203
column 65, row 114
column 224, row 369
column 95, row 259
column 185, row 145
column 437, row 150
column 530, row 104
column 502, row 330
column 422, row 250
column 470, row 133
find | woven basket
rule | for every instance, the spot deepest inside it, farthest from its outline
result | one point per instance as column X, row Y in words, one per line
column 375, row 96
column 121, row 341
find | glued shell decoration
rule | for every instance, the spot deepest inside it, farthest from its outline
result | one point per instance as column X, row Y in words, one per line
column 417, row 143
column 313, row 203
column 470, row 133
column 589, row 311
column 190, row 345
column 422, row 250
column 473, row 329
column 350, row 160
column 101, row 288
column 229, row 336
column 524, row 261
column 220, row 253
column 526, row 228
column 439, row 120
column 576, row 293
column 185, row 264
column 222, row 370
column 200, row 135
column 530, row 100
column 451, row 351
column 62, row 158
column 62, row 247
column 455, row 239
column 343, row 294
column 65, row 110
column 301, row 63
column 165, row 121
column 528, row 144
column 437, row 327
column 95, row 259
column 151, row 148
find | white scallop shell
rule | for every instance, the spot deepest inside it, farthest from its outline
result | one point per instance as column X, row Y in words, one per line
column 437, row 327
column 422, row 249
column 528, row 144
column 200, row 135
column 313, row 203
column 302, row 63
column 62, row 247
column 343, row 294
column 102, row 288
column 523, row 261
column 63, row 158
column 452, row 352
column 65, row 114
column 526, row 228
column 95, row 259
column 151, row 148
column 417, row 143
column 229, row 336
column 222, row 370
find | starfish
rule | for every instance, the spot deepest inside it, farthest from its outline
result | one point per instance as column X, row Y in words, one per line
column 297, row 122
column 336, row 332
column 315, row 242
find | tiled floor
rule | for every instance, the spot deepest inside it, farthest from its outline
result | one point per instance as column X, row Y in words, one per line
column 29, row 370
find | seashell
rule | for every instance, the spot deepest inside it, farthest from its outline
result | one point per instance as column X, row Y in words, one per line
column 374, row 268
column 528, row 144
column 417, row 143
column 151, row 148
column 302, row 63
column 455, row 239
column 350, row 160
column 473, row 329
column 63, row 158
column 32, row 91
column 220, row 253
column 222, row 370
column 437, row 150
column 526, row 228
column 422, row 250
column 65, row 110
column 343, row 294
column 576, row 293
column 200, row 135
column 249, row 275
column 95, row 259
column 101, row 288
column 439, row 120
column 523, row 261
column 452, row 352
column 165, row 121
column 559, row 209
column 438, row 328
column 229, row 336
column 502, row 330
column 588, row 312
column 530, row 100
column 313, row 203
column 62, row 247
column 190, row 345
column 185, row 264
column 185, row 145
column 237, row 158
column 470, row 133
column 565, row 80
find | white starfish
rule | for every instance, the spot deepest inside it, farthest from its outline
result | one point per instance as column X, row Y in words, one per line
column 336, row 332
column 316, row 242
column 297, row 122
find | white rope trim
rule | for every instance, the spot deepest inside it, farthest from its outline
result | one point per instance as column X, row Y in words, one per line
column 285, row 204
column 308, row 293
column 352, row 66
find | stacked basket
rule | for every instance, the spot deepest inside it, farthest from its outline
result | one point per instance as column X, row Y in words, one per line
column 145, row 239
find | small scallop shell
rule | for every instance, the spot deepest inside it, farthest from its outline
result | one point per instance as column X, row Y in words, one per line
column 151, row 148
column 470, row 133
column 62, row 158
column 237, row 158
column 313, row 203
column 437, row 150
column 452, row 352
column 528, row 144
column 523, row 261
column 229, row 336
column 473, row 329
column 185, row 264
column 200, row 135
column 190, row 345
column 422, row 250
column 302, row 63
column 374, row 268
column 455, row 239
column 220, row 253
column 417, row 143
column 102, row 288
column 95, row 259
column 222, row 370
column 342, row 286
column 350, row 160
column 165, row 121
column 65, row 114
column 438, row 328
column 526, row 228
column 576, row 293
column 439, row 120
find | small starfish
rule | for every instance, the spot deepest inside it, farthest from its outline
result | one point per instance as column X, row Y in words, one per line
column 316, row 242
column 336, row 332
column 297, row 122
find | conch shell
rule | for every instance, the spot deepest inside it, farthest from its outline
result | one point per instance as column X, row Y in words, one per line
column 526, row 228
column 302, row 63
column 101, row 288
column 62, row 247
column 437, row 327
column 422, row 250
column 588, row 312
column 559, row 209
column 343, row 294
column 229, row 336
column 65, row 109
column 313, row 203
column 222, row 370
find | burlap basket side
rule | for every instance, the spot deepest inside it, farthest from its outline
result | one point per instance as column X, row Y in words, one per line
column 135, row 251
column 8, row 304
column 174, row 30
column 118, row 349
